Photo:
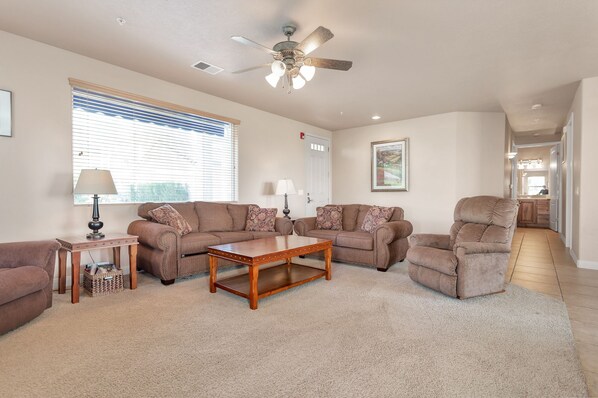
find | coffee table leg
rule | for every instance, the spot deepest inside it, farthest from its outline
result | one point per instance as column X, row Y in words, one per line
column 328, row 260
column 75, row 271
column 133, row 266
column 253, row 293
column 213, row 272
column 61, row 271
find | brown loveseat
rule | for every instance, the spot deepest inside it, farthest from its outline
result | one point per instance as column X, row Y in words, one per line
column 165, row 254
column 387, row 244
column 473, row 259
column 26, row 277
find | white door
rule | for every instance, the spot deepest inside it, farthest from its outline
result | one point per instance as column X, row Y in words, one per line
column 554, row 184
column 317, row 174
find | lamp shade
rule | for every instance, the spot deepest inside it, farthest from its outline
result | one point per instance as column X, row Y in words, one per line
column 272, row 79
column 94, row 181
column 307, row 71
column 285, row 187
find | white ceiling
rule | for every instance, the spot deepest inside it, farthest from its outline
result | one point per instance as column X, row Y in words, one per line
column 410, row 58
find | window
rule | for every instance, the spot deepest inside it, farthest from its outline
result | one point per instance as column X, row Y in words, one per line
column 535, row 184
column 154, row 153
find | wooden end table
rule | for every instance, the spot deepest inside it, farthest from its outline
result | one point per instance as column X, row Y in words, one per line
column 271, row 280
column 76, row 244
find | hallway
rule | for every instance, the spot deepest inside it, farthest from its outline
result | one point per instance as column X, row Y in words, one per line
column 540, row 262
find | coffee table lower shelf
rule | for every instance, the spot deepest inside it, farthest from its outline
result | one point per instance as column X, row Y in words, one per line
column 272, row 280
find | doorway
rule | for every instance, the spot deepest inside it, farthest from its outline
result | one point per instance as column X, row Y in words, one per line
column 317, row 173
column 537, row 184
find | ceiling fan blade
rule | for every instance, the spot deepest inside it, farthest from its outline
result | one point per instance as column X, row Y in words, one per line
column 251, row 43
column 315, row 39
column 329, row 63
column 252, row 68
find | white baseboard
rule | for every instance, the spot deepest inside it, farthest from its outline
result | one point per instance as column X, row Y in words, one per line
column 587, row 264
column 573, row 255
column 583, row 263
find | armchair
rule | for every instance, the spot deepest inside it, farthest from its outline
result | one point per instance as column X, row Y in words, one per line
column 473, row 259
column 26, row 277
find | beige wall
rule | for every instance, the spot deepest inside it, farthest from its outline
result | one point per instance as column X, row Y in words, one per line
column 36, row 167
column 450, row 156
column 585, row 189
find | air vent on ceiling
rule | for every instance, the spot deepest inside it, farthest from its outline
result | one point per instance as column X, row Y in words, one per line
column 208, row 68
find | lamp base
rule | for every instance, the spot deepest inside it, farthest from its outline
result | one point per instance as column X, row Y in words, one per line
column 95, row 235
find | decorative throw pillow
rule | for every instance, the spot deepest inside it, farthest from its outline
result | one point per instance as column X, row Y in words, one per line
column 260, row 220
column 376, row 216
column 329, row 217
column 167, row 215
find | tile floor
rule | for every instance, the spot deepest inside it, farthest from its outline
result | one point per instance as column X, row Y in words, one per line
column 540, row 262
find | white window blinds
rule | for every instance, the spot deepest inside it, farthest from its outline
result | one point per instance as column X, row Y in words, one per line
column 155, row 154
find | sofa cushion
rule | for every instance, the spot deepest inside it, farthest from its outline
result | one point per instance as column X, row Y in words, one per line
column 239, row 215
column 185, row 209
column 260, row 235
column 21, row 281
column 443, row 261
column 350, row 217
column 376, row 215
column 323, row 234
column 167, row 215
column 355, row 240
column 198, row 242
column 232, row 237
column 260, row 220
column 213, row 217
column 329, row 217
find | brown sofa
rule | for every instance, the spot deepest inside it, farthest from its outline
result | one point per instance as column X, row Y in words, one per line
column 165, row 254
column 387, row 245
column 26, row 277
column 473, row 259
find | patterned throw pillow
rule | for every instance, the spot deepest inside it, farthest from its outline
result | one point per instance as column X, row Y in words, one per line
column 167, row 215
column 376, row 216
column 260, row 220
column 329, row 217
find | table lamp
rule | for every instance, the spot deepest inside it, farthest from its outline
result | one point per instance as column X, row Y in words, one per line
column 285, row 187
column 94, row 181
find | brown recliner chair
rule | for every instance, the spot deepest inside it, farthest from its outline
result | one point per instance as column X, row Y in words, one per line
column 473, row 259
column 26, row 275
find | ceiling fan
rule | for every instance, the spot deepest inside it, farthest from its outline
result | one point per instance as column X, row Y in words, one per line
column 291, row 61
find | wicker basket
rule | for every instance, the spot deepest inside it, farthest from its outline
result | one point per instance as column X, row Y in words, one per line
column 102, row 284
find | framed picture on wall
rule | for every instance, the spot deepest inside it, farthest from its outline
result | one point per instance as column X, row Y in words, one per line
column 390, row 165
column 5, row 113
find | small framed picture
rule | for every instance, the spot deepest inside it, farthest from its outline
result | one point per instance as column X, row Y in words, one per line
column 5, row 113
column 390, row 165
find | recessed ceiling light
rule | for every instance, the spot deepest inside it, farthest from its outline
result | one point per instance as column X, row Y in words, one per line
column 375, row 117
column 535, row 107
column 121, row 21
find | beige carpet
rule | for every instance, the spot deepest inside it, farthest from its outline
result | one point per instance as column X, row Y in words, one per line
column 363, row 334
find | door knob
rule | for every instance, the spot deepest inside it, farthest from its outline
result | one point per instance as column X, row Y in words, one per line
column 309, row 200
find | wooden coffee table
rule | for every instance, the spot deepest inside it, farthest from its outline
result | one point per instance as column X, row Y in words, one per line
column 259, row 284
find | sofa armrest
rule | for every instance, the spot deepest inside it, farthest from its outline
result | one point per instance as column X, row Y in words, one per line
column 37, row 253
column 437, row 241
column 157, row 236
column 303, row 225
column 393, row 230
column 480, row 248
column 283, row 225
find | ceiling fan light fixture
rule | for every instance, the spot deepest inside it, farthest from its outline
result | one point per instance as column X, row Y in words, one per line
column 273, row 79
column 307, row 71
column 298, row 82
column 278, row 68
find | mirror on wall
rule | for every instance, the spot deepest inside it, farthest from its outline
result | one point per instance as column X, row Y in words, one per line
column 533, row 166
